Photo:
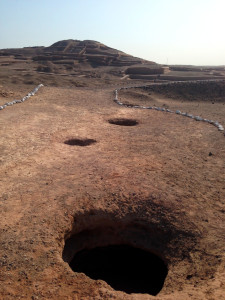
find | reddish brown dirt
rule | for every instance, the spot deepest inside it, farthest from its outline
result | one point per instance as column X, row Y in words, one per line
column 157, row 176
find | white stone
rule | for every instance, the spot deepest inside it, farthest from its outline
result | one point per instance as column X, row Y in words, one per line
column 197, row 118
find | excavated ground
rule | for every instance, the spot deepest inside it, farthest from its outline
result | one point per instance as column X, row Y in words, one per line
column 74, row 185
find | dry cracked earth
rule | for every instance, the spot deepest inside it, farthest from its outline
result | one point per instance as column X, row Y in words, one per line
column 92, row 208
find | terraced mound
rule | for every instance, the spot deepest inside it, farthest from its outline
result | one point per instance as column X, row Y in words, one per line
column 95, row 53
column 75, row 63
column 67, row 63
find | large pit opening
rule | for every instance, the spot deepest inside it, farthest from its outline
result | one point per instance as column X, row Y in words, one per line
column 123, row 267
column 79, row 142
column 128, row 257
column 123, row 122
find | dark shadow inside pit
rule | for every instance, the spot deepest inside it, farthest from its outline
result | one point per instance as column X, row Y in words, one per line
column 123, row 122
column 123, row 267
column 79, row 142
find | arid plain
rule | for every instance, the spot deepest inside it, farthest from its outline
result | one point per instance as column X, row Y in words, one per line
column 73, row 180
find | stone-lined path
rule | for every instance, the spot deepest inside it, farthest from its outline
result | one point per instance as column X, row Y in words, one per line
column 32, row 93
column 178, row 112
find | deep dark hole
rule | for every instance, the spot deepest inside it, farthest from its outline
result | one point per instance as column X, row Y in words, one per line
column 123, row 122
column 123, row 267
column 80, row 142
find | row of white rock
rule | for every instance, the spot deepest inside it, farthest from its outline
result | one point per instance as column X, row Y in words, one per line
column 197, row 118
column 32, row 93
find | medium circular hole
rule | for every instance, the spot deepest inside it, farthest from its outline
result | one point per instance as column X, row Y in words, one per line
column 123, row 267
column 79, row 142
column 123, row 122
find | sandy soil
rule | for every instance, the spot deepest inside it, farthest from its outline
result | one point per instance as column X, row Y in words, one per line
column 165, row 177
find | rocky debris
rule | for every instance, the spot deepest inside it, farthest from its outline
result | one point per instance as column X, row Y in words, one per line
column 147, row 72
column 204, row 90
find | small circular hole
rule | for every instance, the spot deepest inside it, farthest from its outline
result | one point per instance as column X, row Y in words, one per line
column 123, row 122
column 79, row 142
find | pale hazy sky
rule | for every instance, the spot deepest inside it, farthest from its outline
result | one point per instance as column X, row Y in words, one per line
column 164, row 31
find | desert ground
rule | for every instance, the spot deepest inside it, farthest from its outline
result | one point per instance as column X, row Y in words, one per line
column 80, row 188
